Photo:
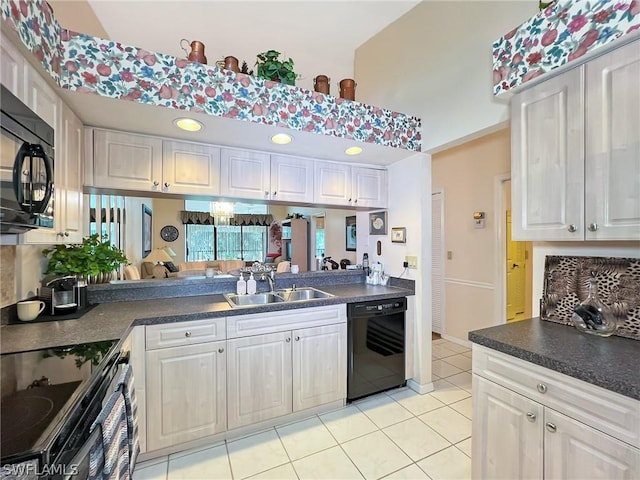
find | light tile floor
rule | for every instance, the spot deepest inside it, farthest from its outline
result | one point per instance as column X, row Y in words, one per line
column 398, row 434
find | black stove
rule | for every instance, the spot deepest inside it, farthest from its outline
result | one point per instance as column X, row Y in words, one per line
column 43, row 391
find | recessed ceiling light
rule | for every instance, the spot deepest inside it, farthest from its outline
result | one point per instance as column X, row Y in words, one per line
column 188, row 124
column 353, row 151
column 281, row 139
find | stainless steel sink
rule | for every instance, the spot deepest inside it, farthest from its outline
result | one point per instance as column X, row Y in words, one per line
column 300, row 294
column 285, row 295
column 252, row 300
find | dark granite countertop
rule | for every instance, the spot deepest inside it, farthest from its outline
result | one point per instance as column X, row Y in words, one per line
column 111, row 321
column 612, row 363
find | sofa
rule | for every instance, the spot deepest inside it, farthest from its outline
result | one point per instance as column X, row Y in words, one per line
column 187, row 269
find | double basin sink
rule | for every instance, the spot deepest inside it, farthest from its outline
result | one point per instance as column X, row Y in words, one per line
column 286, row 295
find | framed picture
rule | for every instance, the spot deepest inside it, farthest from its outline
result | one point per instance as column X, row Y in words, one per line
column 146, row 230
column 378, row 223
column 399, row 235
column 350, row 225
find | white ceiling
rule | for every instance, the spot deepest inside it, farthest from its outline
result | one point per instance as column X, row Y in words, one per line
column 320, row 36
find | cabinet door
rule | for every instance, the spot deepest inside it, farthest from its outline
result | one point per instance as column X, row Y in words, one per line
column 126, row 161
column 291, row 179
column 12, row 65
column 612, row 195
column 573, row 450
column 547, row 159
column 319, row 366
column 41, row 97
column 190, row 168
column 369, row 187
column 186, row 397
column 245, row 174
column 72, row 175
column 507, row 433
column 332, row 183
column 259, row 378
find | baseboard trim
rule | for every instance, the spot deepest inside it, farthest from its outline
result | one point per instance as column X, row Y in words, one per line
column 462, row 343
column 421, row 389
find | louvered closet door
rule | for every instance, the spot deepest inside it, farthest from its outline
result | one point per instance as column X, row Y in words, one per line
column 437, row 264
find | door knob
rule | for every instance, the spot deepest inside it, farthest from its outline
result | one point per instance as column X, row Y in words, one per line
column 592, row 227
column 572, row 228
column 515, row 265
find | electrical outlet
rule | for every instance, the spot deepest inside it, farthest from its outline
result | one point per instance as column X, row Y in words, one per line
column 449, row 255
column 412, row 261
column 405, row 264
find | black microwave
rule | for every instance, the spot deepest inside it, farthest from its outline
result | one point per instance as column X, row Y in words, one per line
column 26, row 167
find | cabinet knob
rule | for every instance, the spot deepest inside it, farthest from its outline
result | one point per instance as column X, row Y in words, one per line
column 266, row 194
column 275, row 193
column 166, row 186
column 187, row 334
column 572, row 228
column 542, row 388
column 551, row 427
column 288, row 339
column 66, row 234
column 221, row 350
column 297, row 339
column 355, row 201
column 59, row 234
column 155, row 185
column 531, row 417
column 592, row 227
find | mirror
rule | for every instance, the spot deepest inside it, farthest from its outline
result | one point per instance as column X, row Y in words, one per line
column 327, row 234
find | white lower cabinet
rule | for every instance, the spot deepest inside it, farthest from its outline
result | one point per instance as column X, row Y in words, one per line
column 186, row 393
column 279, row 373
column 518, row 435
column 259, row 378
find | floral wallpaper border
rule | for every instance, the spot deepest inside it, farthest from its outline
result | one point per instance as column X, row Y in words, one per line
column 87, row 64
column 561, row 33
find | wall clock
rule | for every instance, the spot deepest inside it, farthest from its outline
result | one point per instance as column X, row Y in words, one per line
column 169, row 233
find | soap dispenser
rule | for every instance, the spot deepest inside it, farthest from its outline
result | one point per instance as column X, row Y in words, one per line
column 241, row 286
column 251, row 285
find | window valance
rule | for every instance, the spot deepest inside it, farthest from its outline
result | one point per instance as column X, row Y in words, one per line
column 196, row 218
column 246, row 219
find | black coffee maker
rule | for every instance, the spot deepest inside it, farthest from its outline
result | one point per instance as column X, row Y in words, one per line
column 60, row 294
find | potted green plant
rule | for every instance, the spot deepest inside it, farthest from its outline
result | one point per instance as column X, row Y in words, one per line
column 271, row 68
column 93, row 259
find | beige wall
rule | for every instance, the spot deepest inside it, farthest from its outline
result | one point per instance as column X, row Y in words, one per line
column 166, row 211
column 435, row 62
column 77, row 15
column 465, row 174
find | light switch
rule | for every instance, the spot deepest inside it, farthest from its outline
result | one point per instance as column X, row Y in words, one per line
column 412, row 260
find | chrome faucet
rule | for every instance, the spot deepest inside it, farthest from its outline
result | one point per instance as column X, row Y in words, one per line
column 269, row 276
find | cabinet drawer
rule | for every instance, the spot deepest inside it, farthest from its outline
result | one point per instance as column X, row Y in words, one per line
column 184, row 333
column 607, row 411
column 261, row 323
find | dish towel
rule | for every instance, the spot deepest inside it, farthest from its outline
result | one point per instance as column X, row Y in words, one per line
column 109, row 455
column 125, row 385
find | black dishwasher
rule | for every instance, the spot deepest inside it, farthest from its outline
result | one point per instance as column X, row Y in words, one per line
column 376, row 337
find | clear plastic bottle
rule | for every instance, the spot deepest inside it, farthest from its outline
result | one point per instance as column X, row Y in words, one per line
column 251, row 285
column 241, row 286
column 365, row 263
column 592, row 316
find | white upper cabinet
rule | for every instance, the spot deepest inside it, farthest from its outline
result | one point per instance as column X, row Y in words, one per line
column 12, row 69
column 342, row 184
column 245, row 174
column 612, row 188
column 576, row 152
column 332, row 183
column 368, row 187
column 190, row 168
column 127, row 161
column 291, row 179
column 547, row 166
column 41, row 97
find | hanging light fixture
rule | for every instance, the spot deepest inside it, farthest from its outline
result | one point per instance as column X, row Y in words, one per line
column 222, row 212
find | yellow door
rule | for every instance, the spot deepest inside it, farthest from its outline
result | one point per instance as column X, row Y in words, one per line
column 516, row 276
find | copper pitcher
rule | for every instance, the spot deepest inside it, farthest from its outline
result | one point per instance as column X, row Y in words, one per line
column 321, row 84
column 231, row 63
column 197, row 51
column 348, row 88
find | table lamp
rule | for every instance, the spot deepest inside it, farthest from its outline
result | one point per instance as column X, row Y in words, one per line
column 158, row 256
